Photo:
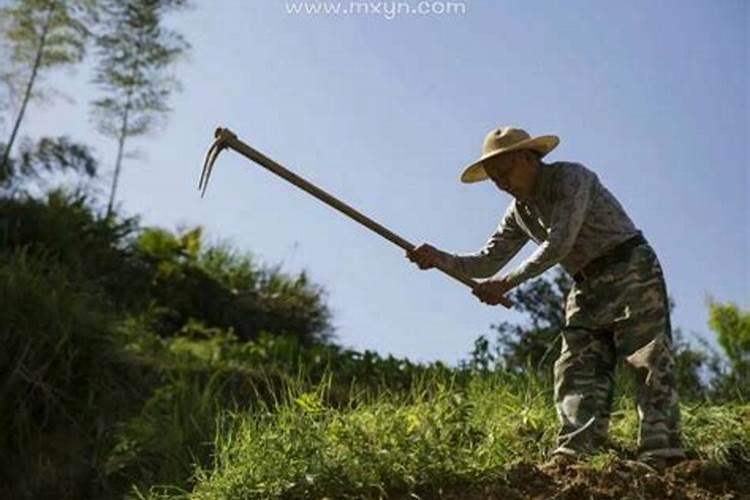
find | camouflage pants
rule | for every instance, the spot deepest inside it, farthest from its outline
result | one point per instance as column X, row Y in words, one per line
column 621, row 312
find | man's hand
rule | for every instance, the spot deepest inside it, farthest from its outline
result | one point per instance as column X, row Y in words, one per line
column 493, row 291
column 425, row 256
column 490, row 292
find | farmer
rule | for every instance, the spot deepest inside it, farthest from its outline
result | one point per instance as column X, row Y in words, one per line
column 616, row 308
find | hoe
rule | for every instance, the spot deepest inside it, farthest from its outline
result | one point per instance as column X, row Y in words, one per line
column 225, row 138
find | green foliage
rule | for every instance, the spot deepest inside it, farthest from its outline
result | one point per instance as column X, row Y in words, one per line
column 92, row 372
column 732, row 328
column 140, row 362
column 173, row 430
column 104, row 397
column 174, row 276
column 691, row 365
column 535, row 345
column 64, row 378
column 532, row 347
column 42, row 34
column 438, row 435
column 65, row 228
column 222, row 288
column 56, row 30
column 47, row 155
column 439, row 432
column 134, row 52
column 720, row 433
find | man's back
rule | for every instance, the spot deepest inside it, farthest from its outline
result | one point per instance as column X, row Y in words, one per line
column 569, row 190
column 570, row 214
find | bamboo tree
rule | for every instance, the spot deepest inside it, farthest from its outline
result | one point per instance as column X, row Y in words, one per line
column 45, row 155
column 135, row 51
column 43, row 34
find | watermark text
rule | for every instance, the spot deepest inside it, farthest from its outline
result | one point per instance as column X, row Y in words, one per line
column 387, row 10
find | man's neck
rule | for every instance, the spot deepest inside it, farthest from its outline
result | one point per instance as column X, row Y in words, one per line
column 536, row 188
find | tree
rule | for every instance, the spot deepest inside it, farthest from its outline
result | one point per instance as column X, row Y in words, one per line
column 536, row 344
column 48, row 154
column 134, row 52
column 732, row 327
column 43, row 34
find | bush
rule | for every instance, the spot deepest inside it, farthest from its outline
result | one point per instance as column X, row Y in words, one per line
column 174, row 274
column 732, row 328
column 65, row 380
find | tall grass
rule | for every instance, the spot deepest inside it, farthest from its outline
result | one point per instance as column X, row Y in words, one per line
column 64, row 379
column 118, row 378
column 439, row 435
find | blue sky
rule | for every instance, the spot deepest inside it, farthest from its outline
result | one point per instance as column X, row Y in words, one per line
column 383, row 113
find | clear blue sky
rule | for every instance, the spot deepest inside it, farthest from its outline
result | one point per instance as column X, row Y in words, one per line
column 653, row 96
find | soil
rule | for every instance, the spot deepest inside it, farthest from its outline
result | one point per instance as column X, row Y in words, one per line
column 621, row 480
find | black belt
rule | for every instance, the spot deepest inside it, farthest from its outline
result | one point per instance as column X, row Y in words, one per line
column 618, row 253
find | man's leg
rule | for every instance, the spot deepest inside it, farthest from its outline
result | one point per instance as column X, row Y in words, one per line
column 643, row 338
column 584, row 387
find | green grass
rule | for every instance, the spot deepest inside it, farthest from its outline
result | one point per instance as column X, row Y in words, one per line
column 117, row 384
column 437, row 436
column 100, row 406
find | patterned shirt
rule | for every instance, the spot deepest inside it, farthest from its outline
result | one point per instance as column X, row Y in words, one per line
column 570, row 215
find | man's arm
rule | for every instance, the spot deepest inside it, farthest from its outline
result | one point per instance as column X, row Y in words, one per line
column 502, row 245
column 565, row 223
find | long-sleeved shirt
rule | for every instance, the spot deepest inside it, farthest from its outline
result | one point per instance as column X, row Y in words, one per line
column 570, row 214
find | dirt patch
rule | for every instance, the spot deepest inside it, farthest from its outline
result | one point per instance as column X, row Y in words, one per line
column 618, row 480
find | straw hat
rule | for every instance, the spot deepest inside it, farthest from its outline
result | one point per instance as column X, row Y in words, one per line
column 503, row 140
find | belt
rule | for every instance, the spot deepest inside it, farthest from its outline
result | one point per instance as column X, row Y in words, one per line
column 619, row 252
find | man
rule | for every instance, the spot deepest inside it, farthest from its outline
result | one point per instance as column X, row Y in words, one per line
column 617, row 307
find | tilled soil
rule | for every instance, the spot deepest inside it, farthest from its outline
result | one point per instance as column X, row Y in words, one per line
column 621, row 480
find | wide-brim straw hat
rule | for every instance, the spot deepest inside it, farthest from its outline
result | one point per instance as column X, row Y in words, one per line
column 504, row 140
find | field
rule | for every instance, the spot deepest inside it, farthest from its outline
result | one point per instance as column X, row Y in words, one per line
column 139, row 363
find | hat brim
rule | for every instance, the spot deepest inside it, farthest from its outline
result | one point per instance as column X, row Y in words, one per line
column 543, row 144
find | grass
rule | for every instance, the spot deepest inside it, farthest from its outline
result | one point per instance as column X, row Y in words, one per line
column 438, row 436
column 110, row 390
column 97, row 406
